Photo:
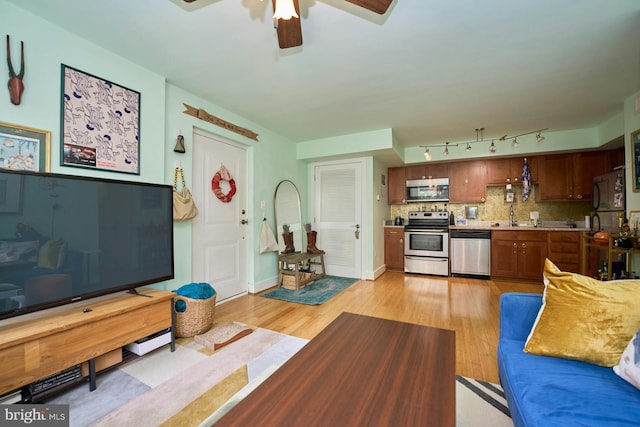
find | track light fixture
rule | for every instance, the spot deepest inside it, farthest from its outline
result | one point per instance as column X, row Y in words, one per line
column 480, row 138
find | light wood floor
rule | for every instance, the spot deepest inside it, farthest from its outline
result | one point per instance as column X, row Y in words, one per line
column 467, row 306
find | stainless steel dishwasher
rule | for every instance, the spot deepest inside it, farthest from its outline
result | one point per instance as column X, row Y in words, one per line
column 470, row 253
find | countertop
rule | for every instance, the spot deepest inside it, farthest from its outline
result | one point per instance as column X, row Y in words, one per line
column 504, row 226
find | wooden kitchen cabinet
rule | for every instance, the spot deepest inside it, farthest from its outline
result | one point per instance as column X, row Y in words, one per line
column 509, row 171
column 518, row 255
column 569, row 177
column 396, row 186
column 394, row 248
column 564, row 250
column 426, row 171
column 468, row 182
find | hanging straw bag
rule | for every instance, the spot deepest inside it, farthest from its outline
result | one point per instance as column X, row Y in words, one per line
column 184, row 207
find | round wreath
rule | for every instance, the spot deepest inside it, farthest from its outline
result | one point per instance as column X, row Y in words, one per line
column 223, row 175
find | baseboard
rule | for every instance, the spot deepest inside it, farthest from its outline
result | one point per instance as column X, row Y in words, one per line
column 263, row 285
column 377, row 272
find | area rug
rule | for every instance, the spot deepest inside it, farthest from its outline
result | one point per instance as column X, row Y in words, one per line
column 480, row 404
column 223, row 335
column 194, row 386
column 182, row 388
column 320, row 291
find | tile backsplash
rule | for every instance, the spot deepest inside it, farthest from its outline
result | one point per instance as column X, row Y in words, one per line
column 496, row 209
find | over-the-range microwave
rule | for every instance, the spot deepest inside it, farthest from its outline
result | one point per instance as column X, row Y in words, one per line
column 428, row 190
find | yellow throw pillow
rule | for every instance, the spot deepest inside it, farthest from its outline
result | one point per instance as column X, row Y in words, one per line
column 583, row 318
column 52, row 254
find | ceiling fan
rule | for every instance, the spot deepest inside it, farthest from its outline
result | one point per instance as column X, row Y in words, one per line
column 290, row 30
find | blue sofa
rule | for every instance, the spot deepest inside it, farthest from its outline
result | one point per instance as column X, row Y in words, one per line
column 549, row 391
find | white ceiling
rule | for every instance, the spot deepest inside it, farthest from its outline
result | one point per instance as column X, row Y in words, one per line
column 433, row 70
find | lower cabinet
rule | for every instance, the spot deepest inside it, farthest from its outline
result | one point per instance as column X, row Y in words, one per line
column 518, row 254
column 564, row 250
column 394, row 248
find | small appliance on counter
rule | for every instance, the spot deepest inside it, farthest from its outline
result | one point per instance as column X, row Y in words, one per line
column 399, row 220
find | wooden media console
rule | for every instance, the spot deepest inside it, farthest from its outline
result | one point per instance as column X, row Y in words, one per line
column 36, row 345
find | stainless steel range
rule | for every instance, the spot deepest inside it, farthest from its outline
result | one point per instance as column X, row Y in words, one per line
column 426, row 243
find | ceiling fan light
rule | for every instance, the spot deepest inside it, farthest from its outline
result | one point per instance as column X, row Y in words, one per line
column 285, row 10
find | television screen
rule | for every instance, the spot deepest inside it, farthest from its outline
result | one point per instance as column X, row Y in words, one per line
column 65, row 238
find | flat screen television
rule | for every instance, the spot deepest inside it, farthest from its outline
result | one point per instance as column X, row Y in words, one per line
column 67, row 238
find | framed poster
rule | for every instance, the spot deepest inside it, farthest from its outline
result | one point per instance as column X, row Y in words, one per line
column 100, row 123
column 24, row 148
column 635, row 154
column 634, row 221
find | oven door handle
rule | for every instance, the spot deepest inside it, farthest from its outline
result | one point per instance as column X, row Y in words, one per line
column 426, row 230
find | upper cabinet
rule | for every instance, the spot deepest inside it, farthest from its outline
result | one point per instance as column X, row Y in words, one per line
column 396, row 189
column 468, row 182
column 427, row 171
column 569, row 177
column 509, row 171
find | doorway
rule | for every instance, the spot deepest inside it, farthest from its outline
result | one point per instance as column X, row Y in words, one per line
column 219, row 231
column 337, row 215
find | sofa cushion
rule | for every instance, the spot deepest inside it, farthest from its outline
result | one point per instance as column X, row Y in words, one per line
column 553, row 392
column 585, row 319
column 629, row 366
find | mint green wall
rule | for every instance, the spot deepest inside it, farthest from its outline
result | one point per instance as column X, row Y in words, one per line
column 353, row 144
column 47, row 46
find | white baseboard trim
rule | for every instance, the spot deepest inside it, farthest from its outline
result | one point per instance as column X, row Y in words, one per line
column 258, row 287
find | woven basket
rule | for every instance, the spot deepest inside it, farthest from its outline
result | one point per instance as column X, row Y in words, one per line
column 197, row 318
column 289, row 281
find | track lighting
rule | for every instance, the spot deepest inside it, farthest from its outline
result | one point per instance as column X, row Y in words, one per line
column 285, row 10
column 480, row 138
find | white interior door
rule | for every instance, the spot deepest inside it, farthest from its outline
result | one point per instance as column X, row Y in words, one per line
column 219, row 252
column 338, row 190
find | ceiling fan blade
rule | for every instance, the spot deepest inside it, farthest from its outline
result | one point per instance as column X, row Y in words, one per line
column 377, row 6
column 289, row 30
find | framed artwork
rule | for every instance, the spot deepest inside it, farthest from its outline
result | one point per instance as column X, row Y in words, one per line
column 100, row 123
column 24, row 148
column 635, row 151
column 634, row 221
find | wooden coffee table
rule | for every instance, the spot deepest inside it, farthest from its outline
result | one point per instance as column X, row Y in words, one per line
column 359, row 371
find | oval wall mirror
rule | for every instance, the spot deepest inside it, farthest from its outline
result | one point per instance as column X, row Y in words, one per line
column 286, row 202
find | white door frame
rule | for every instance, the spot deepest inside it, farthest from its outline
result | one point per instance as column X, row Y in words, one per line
column 364, row 220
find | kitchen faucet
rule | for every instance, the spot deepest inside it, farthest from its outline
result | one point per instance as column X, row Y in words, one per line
column 511, row 214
